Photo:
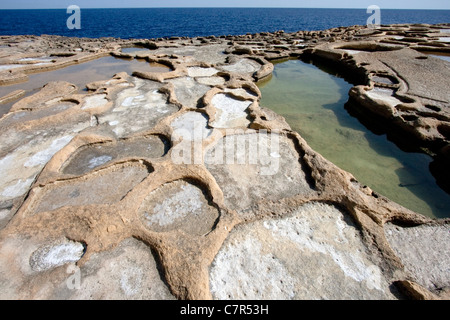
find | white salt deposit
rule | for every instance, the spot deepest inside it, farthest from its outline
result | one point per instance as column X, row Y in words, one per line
column 230, row 112
column 191, row 126
column 183, row 203
column 201, row 72
column 285, row 258
column 42, row 157
column 19, row 188
column 98, row 161
column 95, row 101
column 386, row 95
column 10, row 66
column 55, row 255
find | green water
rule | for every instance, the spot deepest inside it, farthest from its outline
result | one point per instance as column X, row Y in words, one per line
column 312, row 101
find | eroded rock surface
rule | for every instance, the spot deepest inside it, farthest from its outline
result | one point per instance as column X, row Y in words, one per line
column 392, row 65
column 128, row 272
column 91, row 157
column 55, row 255
column 92, row 189
column 143, row 104
column 178, row 206
column 96, row 204
column 423, row 251
column 279, row 259
column 254, row 166
column 231, row 113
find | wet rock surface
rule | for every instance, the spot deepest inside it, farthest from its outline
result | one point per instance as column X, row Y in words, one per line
column 177, row 184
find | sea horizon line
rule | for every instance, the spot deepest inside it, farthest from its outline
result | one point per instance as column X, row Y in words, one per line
column 316, row 8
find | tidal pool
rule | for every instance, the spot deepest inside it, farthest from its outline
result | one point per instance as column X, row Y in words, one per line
column 81, row 74
column 440, row 55
column 313, row 103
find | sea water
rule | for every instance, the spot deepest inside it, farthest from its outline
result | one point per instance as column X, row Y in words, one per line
column 149, row 23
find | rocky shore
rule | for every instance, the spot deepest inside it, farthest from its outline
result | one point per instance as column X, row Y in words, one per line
column 179, row 185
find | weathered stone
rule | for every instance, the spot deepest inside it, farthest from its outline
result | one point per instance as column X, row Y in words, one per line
column 256, row 214
column 143, row 103
column 231, row 113
column 12, row 96
column 91, row 157
column 243, row 66
column 191, row 126
column 188, row 91
column 279, row 259
column 92, row 189
column 385, row 95
column 211, row 53
column 250, row 167
column 201, row 72
column 94, row 101
column 424, row 252
column 243, row 93
column 406, row 63
column 128, row 272
column 53, row 109
column 21, row 166
column 178, row 205
column 211, row 81
column 397, row 67
column 52, row 92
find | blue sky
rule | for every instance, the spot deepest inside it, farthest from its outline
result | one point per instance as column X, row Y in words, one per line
column 383, row 4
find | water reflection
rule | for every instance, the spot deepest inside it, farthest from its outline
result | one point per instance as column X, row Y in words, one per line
column 440, row 55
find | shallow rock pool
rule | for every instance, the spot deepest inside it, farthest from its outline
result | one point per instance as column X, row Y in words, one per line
column 81, row 74
column 312, row 101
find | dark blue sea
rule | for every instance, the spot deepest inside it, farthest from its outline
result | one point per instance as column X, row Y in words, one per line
column 192, row 22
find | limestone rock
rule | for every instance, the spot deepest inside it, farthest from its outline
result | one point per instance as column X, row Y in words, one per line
column 423, row 251
column 128, row 272
column 284, row 258
column 178, row 206
column 253, row 166
column 95, row 204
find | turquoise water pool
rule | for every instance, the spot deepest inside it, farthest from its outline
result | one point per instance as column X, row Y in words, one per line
column 312, row 101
